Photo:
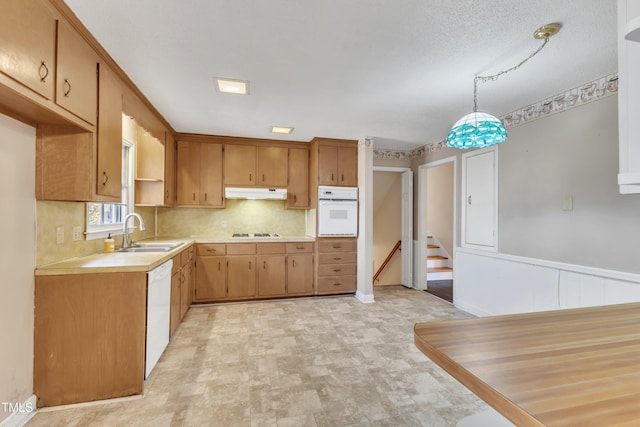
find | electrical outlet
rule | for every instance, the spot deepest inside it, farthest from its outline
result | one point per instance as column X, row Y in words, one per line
column 77, row 233
column 59, row 235
column 223, row 224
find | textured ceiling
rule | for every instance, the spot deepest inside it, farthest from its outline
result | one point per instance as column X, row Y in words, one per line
column 399, row 71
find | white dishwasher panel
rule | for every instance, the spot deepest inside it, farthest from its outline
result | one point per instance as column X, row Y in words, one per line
column 158, row 313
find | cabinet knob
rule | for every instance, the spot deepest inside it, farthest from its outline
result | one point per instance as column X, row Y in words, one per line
column 43, row 71
column 66, row 88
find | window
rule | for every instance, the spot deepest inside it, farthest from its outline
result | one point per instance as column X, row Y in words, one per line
column 106, row 218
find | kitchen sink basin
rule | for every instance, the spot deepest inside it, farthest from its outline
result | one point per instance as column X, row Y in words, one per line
column 151, row 247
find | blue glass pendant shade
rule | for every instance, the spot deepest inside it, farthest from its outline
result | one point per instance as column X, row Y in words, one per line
column 476, row 130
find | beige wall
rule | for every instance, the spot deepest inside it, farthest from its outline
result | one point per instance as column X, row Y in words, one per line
column 387, row 225
column 440, row 204
column 250, row 216
column 17, row 256
column 50, row 215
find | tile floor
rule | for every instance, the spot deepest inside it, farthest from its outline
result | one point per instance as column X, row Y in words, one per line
column 305, row 362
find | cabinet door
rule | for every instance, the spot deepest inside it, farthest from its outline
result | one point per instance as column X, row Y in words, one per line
column 298, row 192
column 348, row 166
column 239, row 165
column 211, row 175
column 300, row 274
column 185, row 289
column 188, row 173
column 271, row 275
column 327, row 165
column 211, row 278
column 109, row 179
column 76, row 80
column 176, row 281
column 28, row 40
column 169, row 169
column 273, row 166
column 241, row 277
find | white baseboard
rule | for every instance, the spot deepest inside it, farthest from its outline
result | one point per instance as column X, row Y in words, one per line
column 362, row 298
column 18, row 418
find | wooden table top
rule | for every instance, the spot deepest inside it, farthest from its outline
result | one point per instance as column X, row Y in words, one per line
column 578, row 367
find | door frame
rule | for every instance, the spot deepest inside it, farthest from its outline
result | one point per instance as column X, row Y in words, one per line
column 407, row 222
column 421, row 264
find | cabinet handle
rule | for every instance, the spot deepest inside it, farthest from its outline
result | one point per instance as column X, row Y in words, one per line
column 264, row 265
column 337, row 246
column 331, row 176
column 211, row 250
column 337, row 284
column 293, row 263
column 105, row 178
column 337, row 269
column 299, row 247
column 205, row 196
column 262, row 177
column 194, row 196
column 66, row 88
column 337, row 259
column 249, row 265
column 43, row 71
column 469, row 200
column 218, row 265
column 250, row 177
column 167, row 195
column 342, row 178
column 295, row 199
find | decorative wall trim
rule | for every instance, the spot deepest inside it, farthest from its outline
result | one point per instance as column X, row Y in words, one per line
column 579, row 95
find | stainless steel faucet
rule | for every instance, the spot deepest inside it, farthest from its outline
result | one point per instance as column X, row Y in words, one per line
column 125, row 231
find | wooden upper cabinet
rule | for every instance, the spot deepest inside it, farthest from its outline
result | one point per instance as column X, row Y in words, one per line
column 298, row 190
column 338, row 164
column 109, row 170
column 188, row 173
column 199, row 174
column 27, row 37
column 273, row 163
column 211, row 175
column 170, row 152
column 149, row 157
column 348, row 166
column 327, row 165
column 76, row 81
column 239, row 165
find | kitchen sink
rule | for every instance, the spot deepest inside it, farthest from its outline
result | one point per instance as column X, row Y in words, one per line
column 151, row 247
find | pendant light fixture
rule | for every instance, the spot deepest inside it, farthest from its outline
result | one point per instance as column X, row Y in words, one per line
column 477, row 129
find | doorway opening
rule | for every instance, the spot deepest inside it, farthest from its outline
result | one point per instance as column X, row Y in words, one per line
column 393, row 226
column 436, row 227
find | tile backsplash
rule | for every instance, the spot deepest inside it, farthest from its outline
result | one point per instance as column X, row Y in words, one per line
column 249, row 216
column 50, row 215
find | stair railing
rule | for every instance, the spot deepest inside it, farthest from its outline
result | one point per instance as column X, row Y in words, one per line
column 386, row 261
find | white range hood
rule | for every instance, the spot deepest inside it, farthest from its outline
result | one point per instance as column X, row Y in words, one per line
column 255, row 193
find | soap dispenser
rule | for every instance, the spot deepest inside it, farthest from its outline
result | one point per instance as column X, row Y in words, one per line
column 109, row 244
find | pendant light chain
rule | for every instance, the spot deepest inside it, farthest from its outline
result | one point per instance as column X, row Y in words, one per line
column 493, row 77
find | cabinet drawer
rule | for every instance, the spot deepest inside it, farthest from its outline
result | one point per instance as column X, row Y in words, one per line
column 293, row 248
column 271, row 248
column 343, row 245
column 337, row 258
column 336, row 269
column 241, row 249
column 337, row 284
column 211, row 249
column 184, row 257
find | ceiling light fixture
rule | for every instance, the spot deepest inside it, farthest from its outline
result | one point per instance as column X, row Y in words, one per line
column 238, row 87
column 477, row 130
column 281, row 129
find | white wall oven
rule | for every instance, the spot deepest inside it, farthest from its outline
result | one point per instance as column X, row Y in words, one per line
column 337, row 211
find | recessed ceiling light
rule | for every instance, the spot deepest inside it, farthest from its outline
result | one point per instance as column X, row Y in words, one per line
column 239, row 87
column 281, row 129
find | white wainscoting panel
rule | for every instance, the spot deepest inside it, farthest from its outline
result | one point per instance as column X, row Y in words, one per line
column 489, row 284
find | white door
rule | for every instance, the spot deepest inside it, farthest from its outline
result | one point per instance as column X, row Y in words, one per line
column 480, row 202
column 407, row 229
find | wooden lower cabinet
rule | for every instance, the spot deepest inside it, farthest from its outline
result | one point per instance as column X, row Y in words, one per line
column 182, row 278
column 337, row 264
column 272, row 279
column 89, row 341
column 244, row 271
column 241, row 276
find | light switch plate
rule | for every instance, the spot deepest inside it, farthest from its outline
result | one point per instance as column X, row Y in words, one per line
column 77, row 233
column 59, row 235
